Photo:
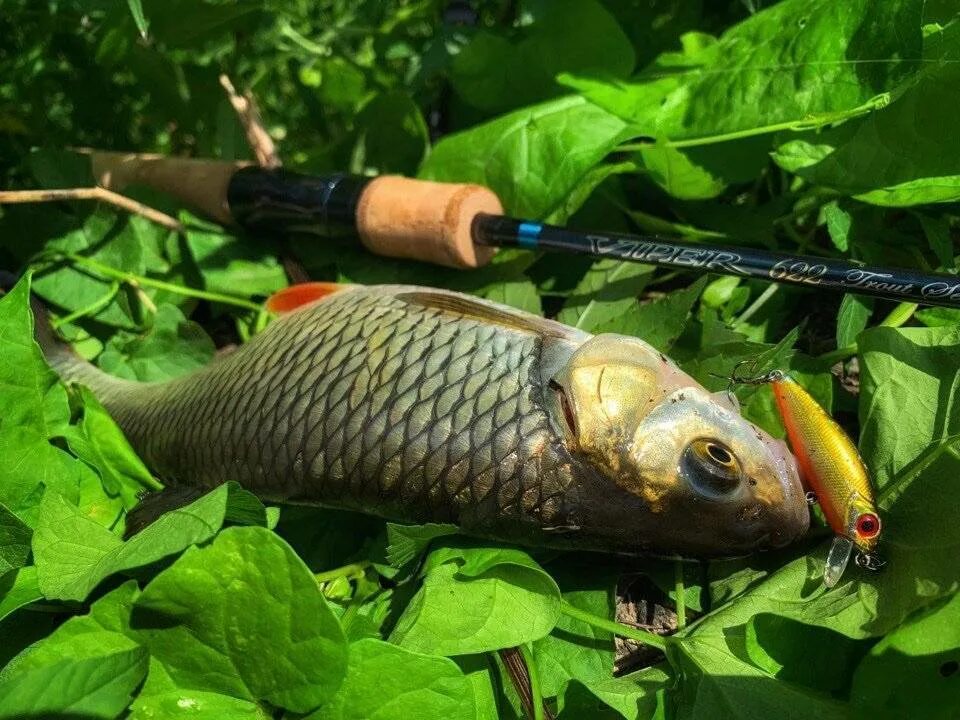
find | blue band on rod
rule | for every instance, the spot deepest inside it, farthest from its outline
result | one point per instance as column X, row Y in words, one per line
column 528, row 234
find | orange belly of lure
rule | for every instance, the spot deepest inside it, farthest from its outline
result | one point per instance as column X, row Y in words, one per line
column 832, row 469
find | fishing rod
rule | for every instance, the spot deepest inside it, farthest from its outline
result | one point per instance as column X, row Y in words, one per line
column 461, row 225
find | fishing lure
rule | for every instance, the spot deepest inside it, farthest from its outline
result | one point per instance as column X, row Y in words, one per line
column 833, row 470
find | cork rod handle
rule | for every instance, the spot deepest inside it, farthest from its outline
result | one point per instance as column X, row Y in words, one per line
column 424, row 220
column 201, row 184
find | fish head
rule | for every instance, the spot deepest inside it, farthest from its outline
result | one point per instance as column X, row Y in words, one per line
column 709, row 482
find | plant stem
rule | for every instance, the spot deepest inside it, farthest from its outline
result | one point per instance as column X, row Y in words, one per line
column 838, row 355
column 91, row 309
column 761, row 300
column 348, row 571
column 534, row 674
column 899, row 315
column 140, row 280
column 795, row 125
column 896, row 318
column 680, row 599
column 643, row 636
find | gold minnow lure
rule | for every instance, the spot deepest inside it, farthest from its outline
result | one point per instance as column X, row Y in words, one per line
column 832, row 469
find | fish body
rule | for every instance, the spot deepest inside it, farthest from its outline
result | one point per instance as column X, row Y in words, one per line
column 831, row 465
column 422, row 405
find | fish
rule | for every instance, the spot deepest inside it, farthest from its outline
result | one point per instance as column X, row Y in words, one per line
column 833, row 470
column 422, row 405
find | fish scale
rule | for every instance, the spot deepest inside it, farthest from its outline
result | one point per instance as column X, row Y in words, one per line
column 367, row 402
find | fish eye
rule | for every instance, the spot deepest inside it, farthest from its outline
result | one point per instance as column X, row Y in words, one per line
column 720, row 454
column 712, row 467
column 868, row 526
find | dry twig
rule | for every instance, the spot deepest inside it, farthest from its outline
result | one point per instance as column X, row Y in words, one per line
column 257, row 136
column 92, row 193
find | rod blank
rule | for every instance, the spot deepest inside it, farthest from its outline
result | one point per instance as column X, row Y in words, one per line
column 802, row 270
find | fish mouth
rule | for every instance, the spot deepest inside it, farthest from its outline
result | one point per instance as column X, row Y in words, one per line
column 790, row 519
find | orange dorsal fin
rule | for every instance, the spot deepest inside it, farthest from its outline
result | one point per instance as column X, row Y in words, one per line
column 296, row 296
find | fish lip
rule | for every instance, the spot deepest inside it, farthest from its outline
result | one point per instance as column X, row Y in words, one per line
column 794, row 514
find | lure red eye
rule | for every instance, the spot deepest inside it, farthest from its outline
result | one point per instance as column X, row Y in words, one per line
column 868, row 525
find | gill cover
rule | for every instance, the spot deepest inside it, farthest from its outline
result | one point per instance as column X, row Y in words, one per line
column 610, row 384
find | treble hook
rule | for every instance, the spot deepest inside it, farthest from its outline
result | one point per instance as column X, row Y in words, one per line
column 749, row 379
column 767, row 377
column 870, row 561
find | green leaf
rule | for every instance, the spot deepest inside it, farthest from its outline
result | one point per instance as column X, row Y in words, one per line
column 172, row 346
column 912, row 671
column 18, row 588
column 608, row 290
column 910, row 420
column 101, row 444
column 32, row 396
column 659, row 322
column 481, row 672
column 188, row 24
column 161, row 697
column 918, row 167
column 575, row 650
column 200, row 705
column 385, row 681
column 521, row 294
column 795, row 652
column 794, row 65
column 231, row 265
column 719, row 292
column 393, row 136
column 74, row 554
column 532, row 158
column 938, row 316
column 406, row 543
column 91, row 687
column 566, row 36
column 675, row 172
column 123, row 243
column 719, row 683
column 637, row 696
column 35, row 410
column 855, row 312
column 341, row 84
column 906, row 372
column 139, row 19
column 474, row 600
column 838, row 225
column 244, row 617
column 14, row 541
column 937, row 230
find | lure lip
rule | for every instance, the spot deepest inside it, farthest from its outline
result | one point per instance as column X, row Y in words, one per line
column 837, row 558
